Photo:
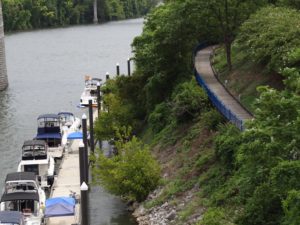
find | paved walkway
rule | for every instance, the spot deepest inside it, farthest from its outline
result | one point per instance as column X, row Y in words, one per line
column 203, row 67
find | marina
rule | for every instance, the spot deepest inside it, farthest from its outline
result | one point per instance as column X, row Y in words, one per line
column 20, row 104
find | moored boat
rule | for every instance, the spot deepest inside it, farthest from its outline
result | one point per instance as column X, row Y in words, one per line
column 49, row 130
column 89, row 92
column 35, row 158
column 22, row 193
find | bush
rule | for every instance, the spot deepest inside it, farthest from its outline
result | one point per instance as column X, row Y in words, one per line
column 159, row 118
column 285, row 177
column 131, row 174
column 226, row 145
column 212, row 119
column 214, row 216
column 291, row 206
column 189, row 101
column 263, row 208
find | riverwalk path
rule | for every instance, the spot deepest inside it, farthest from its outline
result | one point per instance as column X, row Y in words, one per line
column 204, row 69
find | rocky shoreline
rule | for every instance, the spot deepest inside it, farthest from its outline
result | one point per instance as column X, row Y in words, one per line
column 166, row 213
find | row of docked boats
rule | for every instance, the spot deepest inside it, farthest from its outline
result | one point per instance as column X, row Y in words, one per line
column 23, row 199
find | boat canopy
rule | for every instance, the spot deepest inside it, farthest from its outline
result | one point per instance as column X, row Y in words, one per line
column 65, row 113
column 14, row 196
column 48, row 116
column 17, row 176
column 34, row 149
column 34, row 142
column 48, row 136
column 75, row 135
column 11, row 217
column 60, row 206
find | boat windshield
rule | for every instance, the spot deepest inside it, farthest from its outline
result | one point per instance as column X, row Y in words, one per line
column 33, row 151
column 66, row 118
column 27, row 207
column 48, row 122
column 11, row 187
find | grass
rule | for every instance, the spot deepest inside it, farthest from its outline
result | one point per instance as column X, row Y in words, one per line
column 245, row 77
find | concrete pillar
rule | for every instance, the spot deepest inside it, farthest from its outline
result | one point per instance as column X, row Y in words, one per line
column 95, row 12
column 3, row 71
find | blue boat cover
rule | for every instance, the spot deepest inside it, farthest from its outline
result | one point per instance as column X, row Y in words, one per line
column 48, row 135
column 75, row 135
column 60, row 206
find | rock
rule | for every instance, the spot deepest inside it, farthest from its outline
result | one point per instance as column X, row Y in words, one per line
column 165, row 205
column 171, row 215
column 139, row 212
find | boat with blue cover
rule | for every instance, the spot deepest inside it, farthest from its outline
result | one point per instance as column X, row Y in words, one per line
column 49, row 130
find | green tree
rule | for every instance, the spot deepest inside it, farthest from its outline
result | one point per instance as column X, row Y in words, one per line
column 133, row 173
column 229, row 15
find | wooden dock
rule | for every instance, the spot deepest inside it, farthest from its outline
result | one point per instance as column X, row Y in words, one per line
column 203, row 67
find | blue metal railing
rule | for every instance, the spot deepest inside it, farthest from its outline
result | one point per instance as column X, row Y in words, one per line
column 221, row 107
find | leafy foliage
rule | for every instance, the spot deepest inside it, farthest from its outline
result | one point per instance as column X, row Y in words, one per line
column 291, row 208
column 270, row 35
column 27, row 14
column 133, row 173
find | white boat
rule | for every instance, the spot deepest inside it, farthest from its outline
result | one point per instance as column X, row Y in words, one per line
column 89, row 92
column 49, row 130
column 35, row 158
column 69, row 124
column 22, row 193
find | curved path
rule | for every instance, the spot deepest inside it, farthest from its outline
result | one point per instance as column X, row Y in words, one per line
column 204, row 69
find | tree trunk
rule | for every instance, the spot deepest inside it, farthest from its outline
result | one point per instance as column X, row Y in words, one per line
column 228, row 53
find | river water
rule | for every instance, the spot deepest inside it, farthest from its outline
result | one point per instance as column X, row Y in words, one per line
column 46, row 71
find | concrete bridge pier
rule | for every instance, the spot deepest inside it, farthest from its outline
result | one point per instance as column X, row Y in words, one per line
column 3, row 71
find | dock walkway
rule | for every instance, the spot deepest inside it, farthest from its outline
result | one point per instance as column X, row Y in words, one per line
column 68, row 180
column 204, row 69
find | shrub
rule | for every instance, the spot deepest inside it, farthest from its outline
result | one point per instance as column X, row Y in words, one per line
column 159, row 118
column 188, row 101
column 226, row 145
column 263, row 208
column 285, row 177
column 291, row 206
column 214, row 216
column 131, row 174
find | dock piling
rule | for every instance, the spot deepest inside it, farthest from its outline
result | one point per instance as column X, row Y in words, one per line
column 85, row 155
column 91, row 120
column 118, row 69
column 84, row 204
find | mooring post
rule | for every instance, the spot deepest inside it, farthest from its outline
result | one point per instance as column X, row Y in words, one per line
column 91, row 119
column 118, row 69
column 81, row 161
column 84, row 204
column 128, row 66
column 99, row 106
column 85, row 142
column 107, row 76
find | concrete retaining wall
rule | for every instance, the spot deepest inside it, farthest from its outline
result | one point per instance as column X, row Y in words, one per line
column 3, row 71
